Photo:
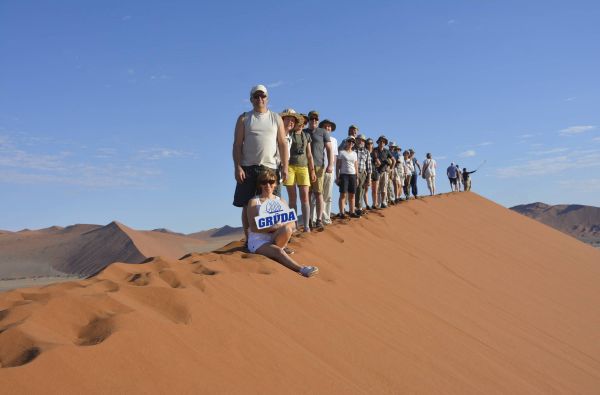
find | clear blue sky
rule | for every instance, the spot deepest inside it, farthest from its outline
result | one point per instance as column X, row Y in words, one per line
column 124, row 110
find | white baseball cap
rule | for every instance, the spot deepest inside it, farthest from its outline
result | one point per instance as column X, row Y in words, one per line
column 261, row 88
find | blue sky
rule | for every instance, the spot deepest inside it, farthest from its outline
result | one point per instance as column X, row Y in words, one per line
column 125, row 110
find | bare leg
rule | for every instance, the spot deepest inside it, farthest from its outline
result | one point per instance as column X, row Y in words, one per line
column 304, row 201
column 245, row 223
column 277, row 254
column 291, row 190
column 342, row 203
column 366, row 194
column 374, row 187
column 351, row 201
column 282, row 235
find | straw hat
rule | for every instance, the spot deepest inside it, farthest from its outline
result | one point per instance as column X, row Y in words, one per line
column 290, row 112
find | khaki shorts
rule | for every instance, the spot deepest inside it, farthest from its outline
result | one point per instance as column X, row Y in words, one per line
column 317, row 186
column 297, row 175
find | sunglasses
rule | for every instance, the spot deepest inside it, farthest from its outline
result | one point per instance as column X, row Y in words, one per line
column 259, row 95
column 314, row 119
column 265, row 182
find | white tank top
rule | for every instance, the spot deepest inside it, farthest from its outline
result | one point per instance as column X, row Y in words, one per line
column 260, row 139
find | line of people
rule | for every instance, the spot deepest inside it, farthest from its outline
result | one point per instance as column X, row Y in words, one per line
column 300, row 151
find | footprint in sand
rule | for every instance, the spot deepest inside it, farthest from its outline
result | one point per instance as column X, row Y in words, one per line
column 17, row 348
column 96, row 331
column 170, row 278
column 139, row 279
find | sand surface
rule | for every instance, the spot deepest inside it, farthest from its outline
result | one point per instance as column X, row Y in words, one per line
column 450, row 294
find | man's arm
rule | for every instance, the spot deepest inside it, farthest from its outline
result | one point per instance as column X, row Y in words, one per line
column 329, row 149
column 238, row 141
column 283, row 149
column 311, row 163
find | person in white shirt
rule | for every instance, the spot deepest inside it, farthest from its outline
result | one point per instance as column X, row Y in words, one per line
column 346, row 171
column 329, row 126
column 429, row 166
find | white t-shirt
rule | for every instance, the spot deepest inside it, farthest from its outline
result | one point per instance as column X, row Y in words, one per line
column 348, row 160
column 431, row 166
column 334, row 149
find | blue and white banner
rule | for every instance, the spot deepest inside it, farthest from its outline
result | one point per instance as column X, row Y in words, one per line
column 273, row 212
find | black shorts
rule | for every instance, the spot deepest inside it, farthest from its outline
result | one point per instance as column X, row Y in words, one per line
column 453, row 181
column 248, row 189
column 375, row 175
column 348, row 183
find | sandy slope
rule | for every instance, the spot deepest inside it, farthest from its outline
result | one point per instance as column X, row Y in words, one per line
column 451, row 294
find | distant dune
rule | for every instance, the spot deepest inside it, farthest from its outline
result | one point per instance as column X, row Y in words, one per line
column 84, row 250
column 581, row 222
column 451, row 294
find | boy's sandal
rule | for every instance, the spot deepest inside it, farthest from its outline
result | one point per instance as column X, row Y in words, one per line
column 309, row 271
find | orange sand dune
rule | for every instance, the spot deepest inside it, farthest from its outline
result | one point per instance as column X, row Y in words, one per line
column 450, row 294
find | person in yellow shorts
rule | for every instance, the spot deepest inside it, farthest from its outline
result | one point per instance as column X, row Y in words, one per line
column 301, row 169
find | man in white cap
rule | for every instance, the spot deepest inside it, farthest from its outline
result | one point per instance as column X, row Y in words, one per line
column 259, row 143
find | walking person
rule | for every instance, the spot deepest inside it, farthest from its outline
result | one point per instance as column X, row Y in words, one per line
column 328, row 180
column 467, row 178
column 364, row 173
column 301, row 169
column 272, row 242
column 429, row 166
column 452, row 177
column 320, row 146
column 259, row 140
column 415, row 176
column 346, row 171
column 383, row 160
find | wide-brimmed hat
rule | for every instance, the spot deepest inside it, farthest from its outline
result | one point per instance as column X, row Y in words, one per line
column 350, row 139
column 392, row 144
column 323, row 122
column 361, row 137
column 290, row 112
column 382, row 137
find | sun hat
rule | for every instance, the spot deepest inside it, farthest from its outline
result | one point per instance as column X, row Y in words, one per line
column 382, row 137
column 352, row 127
column 313, row 113
column 370, row 140
column 361, row 137
column 323, row 122
column 392, row 144
column 258, row 88
column 290, row 112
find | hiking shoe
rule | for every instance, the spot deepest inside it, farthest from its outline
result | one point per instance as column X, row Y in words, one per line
column 288, row 250
column 309, row 271
column 383, row 205
column 342, row 216
column 319, row 224
column 354, row 215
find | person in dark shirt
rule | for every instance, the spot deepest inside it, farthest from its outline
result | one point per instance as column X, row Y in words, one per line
column 467, row 178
